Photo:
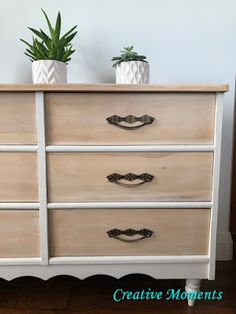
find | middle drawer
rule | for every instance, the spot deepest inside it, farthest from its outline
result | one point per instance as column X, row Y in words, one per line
column 86, row 177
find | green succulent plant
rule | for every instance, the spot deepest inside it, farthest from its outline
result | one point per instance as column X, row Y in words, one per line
column 53, row 46
column 128, row 55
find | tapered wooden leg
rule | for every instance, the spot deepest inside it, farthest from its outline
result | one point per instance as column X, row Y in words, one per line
column 192, row 285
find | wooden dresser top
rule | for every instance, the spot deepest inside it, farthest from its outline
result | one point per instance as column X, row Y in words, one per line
column 113, row 88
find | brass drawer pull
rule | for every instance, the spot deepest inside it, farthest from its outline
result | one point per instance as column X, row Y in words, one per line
column 116, row 233
column 130, row 119
column 116, row 177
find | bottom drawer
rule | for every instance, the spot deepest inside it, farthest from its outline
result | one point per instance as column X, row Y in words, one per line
column 83, row 232
column 19, row 233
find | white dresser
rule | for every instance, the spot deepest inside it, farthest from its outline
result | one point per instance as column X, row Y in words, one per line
column 110, row 179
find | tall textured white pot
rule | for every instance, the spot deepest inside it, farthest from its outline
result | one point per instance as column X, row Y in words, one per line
column 49, row 72
column 132, row 72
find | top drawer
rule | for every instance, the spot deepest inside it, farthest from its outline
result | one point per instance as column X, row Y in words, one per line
column 17, row 118
column 80, row 118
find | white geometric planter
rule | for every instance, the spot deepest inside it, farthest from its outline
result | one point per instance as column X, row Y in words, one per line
column 49, row 72
column 132, row 72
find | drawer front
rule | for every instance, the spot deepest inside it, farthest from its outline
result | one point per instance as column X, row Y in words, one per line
column 18, row 180
column 80, row 118
column 175, row 231
column 75, row 177
column 19, row 233
column 17, row 118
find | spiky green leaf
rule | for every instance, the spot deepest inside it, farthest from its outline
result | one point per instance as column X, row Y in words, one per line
column 58, row 26
column 49, row 24
column 68, row 39
column 68, row 33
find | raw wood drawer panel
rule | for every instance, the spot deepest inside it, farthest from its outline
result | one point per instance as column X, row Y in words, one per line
column 84, row 232
column 18, row 179
column 19, row 233
column 17, row 118
column 76, row 177
column 80, row 118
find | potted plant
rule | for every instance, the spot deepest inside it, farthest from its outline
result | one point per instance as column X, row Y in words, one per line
column 131, row 68
column 50, row 53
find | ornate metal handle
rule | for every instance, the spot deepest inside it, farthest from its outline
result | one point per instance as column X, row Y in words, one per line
column 116, row 233
column 116, row 177
column 115, row 120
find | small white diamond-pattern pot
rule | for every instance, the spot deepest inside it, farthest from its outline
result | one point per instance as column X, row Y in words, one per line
column 49, row 72
column 132, row 72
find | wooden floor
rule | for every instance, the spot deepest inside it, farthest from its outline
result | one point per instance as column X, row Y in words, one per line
column 94, row 295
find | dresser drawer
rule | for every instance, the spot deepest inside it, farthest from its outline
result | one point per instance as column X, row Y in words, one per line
column 19, row 233
column 84, row 231
column 17, row 118
column 81, row 118
column 83, row 177
column 18, row 179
